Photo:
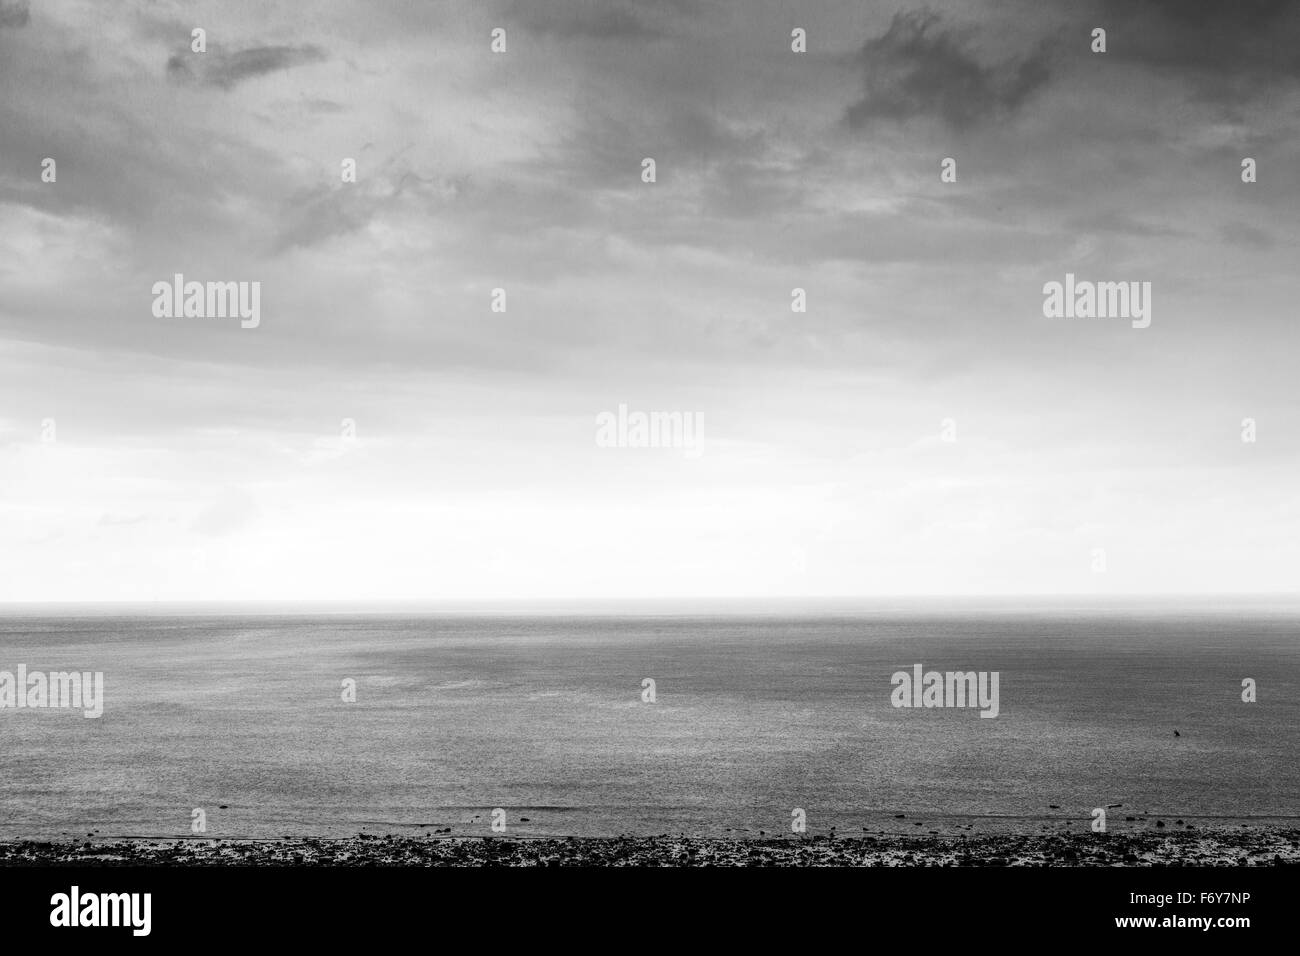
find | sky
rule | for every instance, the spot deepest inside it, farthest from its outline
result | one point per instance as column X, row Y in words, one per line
column 146, row 458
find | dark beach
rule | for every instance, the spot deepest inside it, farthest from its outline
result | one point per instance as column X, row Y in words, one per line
column 1227, row 846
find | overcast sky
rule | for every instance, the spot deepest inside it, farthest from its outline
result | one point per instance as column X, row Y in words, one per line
column 193, row 459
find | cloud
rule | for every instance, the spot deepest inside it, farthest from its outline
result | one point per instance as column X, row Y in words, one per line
column 607, row 20
column 1225, row 53
column 15, row 15
column 226, row 70
column 917, row 68
column 1243, row 234
column 523, row 172
column 323, row 213
column 604, row 23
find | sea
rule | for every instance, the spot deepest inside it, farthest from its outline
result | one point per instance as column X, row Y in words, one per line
column 330, row 722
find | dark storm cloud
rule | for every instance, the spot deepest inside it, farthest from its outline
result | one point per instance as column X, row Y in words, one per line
column 1219, row 45
column 919, row 68
column 124, row 173
column 226, row 70
column 15, row 15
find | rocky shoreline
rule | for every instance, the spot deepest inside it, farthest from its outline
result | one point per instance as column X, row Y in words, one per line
column 1229, row 847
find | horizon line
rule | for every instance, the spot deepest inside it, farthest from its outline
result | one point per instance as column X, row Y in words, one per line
column 720, row 603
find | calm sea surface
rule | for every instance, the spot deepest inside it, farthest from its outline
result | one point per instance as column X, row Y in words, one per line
column 542, row 716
